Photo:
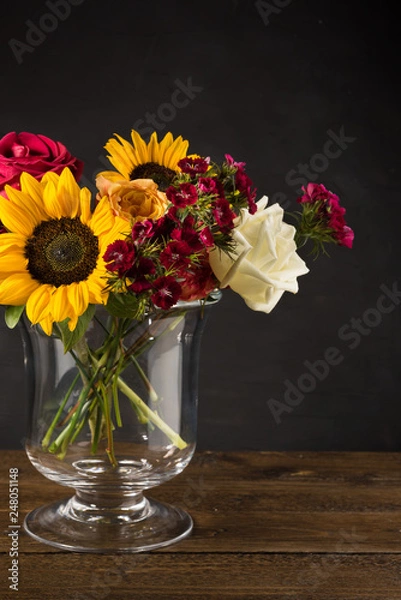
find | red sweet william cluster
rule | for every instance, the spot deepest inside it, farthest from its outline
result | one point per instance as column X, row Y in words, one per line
column 167, row 259
column 323, row 216
column 163, row 261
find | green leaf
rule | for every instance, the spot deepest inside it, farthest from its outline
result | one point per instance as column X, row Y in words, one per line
column 123, row 305
column 13, row 315
column 70, row 338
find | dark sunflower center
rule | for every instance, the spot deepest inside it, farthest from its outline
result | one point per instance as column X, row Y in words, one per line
column 163, row 176
column 61, row 252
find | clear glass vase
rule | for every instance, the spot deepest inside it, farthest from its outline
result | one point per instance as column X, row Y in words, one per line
column 111, row 418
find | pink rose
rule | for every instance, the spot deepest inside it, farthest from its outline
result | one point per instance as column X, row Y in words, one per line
column 35, row 154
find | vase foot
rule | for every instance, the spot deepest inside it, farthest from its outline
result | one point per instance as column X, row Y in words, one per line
column 163, row 525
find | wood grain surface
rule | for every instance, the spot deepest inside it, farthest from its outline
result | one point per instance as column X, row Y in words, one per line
column 271, row 525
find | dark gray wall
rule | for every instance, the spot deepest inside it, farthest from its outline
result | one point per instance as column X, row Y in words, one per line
column 270, row 89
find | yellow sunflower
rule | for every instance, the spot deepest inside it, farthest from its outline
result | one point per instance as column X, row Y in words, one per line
column 51, row 259
column 139, row 160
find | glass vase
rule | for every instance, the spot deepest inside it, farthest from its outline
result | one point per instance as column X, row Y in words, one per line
column 112, row 417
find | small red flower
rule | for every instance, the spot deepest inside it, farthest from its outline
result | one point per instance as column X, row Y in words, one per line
column 232, row 163
column 187, row 234
column 164, row 225
column 167, row 291
column 207, row 185
column 223, row 214
column 183, row 196
column 316, row 192
column 176, row 254
column 244, row 184
column 139, row 286
column 143, row 267
column 194, row 165
column 142, row 230
column 119, row 256
column 206, row 237
column 198, row 281
column 173, row 214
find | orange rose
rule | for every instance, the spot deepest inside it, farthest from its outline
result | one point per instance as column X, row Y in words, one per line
column 135, row 200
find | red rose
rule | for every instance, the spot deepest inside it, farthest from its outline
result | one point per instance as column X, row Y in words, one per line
column 35, row 154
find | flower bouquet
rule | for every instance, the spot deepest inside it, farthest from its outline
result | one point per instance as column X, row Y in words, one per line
column 166, row 231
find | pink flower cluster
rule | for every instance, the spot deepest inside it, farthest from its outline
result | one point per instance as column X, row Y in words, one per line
column 329, row 212
column 243, row 182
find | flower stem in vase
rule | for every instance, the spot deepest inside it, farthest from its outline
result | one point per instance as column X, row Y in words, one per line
column 98, row 404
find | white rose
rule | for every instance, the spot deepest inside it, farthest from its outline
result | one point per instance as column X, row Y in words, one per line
column 265, row 263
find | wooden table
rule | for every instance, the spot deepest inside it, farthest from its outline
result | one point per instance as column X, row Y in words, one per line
column 268, row 525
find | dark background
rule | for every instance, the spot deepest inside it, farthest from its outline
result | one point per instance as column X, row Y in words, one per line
column 270, row 89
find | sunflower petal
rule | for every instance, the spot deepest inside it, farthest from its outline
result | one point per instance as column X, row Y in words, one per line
column 60, row 307
column 10, row 241
column 50, row 176
column 16, row 289
column 96, row 285
column 34, row 189
column 118, row 158
column 102, row 219
column 47, row 325
column 128, row 148
column 68, row 194
column 141, row 149
column 85, row 197
column 14, row 218
column 119, row 231
column 37, row 306
column 73, row 322
column 175, row 153
column 78, row 296
column 163, row 146
column 14, row 262
column 26, row 203
column 51, row 201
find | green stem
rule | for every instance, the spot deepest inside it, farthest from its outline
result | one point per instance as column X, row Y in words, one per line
column 109, row 424
column 68, row 432
column 49, row 433
column 100, row 372
column 97, row 429
column 152, row 394
column 59, row 446
column 152, row 416
column 116, row 403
